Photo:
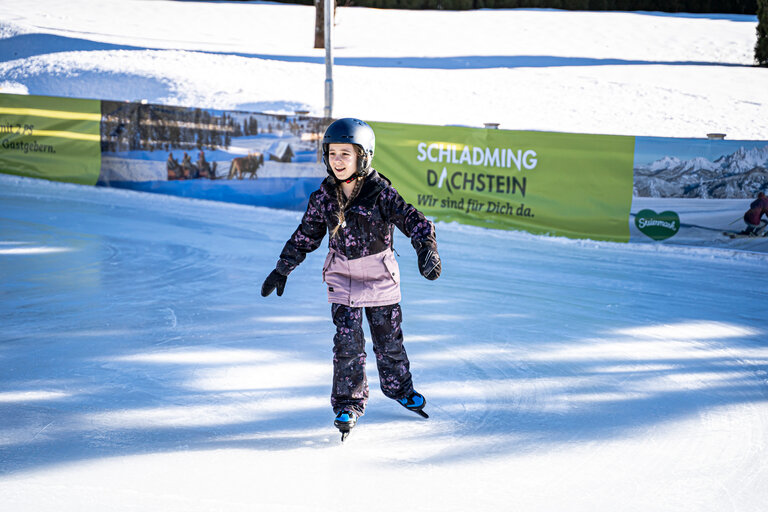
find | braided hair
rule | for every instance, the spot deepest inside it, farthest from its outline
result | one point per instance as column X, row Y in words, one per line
column 344, row 201
column 341, row 199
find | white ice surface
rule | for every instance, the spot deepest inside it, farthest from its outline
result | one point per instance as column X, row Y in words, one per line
column 141, row 370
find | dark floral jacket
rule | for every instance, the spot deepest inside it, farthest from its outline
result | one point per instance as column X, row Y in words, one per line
column 370, row 219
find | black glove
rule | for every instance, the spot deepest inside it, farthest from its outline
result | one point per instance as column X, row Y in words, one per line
column 429, row 262
column 274, row 280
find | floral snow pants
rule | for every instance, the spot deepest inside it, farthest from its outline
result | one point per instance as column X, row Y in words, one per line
column 350, row 384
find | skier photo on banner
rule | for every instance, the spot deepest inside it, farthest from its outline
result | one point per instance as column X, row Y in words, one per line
column 359, row 209
column 753, row 217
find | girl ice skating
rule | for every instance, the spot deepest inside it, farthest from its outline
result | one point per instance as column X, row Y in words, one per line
column 359, row 209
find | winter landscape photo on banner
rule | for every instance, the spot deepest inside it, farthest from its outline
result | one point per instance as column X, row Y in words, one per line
column 695, row 189
column 243, row 157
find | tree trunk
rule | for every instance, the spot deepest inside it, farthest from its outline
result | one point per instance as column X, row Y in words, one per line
column 761, row 47
column 319, row 24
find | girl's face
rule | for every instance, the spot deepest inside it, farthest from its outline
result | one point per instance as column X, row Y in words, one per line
column 343, row 160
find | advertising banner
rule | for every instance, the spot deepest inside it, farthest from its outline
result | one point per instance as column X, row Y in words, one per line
column 53, row 138
column 599, row 187
column 572, row 185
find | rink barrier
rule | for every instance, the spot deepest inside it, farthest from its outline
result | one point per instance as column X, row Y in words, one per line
column 600, row 187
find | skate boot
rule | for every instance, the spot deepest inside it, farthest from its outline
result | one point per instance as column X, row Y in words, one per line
column 345, row 421
column 414, row 402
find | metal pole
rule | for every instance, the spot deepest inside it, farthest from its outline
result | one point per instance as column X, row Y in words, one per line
column 328, row 18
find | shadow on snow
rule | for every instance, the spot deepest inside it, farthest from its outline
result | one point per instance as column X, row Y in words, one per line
column 30, row 45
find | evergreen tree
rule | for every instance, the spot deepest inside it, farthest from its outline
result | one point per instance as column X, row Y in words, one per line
column 135, row 130
column 761, row 48
column 174, row 133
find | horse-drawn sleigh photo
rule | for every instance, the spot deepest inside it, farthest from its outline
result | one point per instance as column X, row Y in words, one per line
column 239, row 168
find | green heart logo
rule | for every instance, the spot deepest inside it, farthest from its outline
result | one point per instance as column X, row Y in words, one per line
column 658, row 226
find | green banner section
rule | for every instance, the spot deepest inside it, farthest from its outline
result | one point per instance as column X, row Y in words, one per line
column 562, row 184
column 53, row 138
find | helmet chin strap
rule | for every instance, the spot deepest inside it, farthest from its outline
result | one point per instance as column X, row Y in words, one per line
column 350, row 180
column 358, row 175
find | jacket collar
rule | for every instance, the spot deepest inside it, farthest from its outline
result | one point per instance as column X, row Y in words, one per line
column 372, row 186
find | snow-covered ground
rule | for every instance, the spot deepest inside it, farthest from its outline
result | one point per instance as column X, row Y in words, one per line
column 141, row 370
column 585, row 72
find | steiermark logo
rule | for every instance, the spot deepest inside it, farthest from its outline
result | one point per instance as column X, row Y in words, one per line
column 658, row 226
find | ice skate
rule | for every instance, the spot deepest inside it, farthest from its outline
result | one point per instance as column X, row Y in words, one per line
column 415, row 402
column 345, row 421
